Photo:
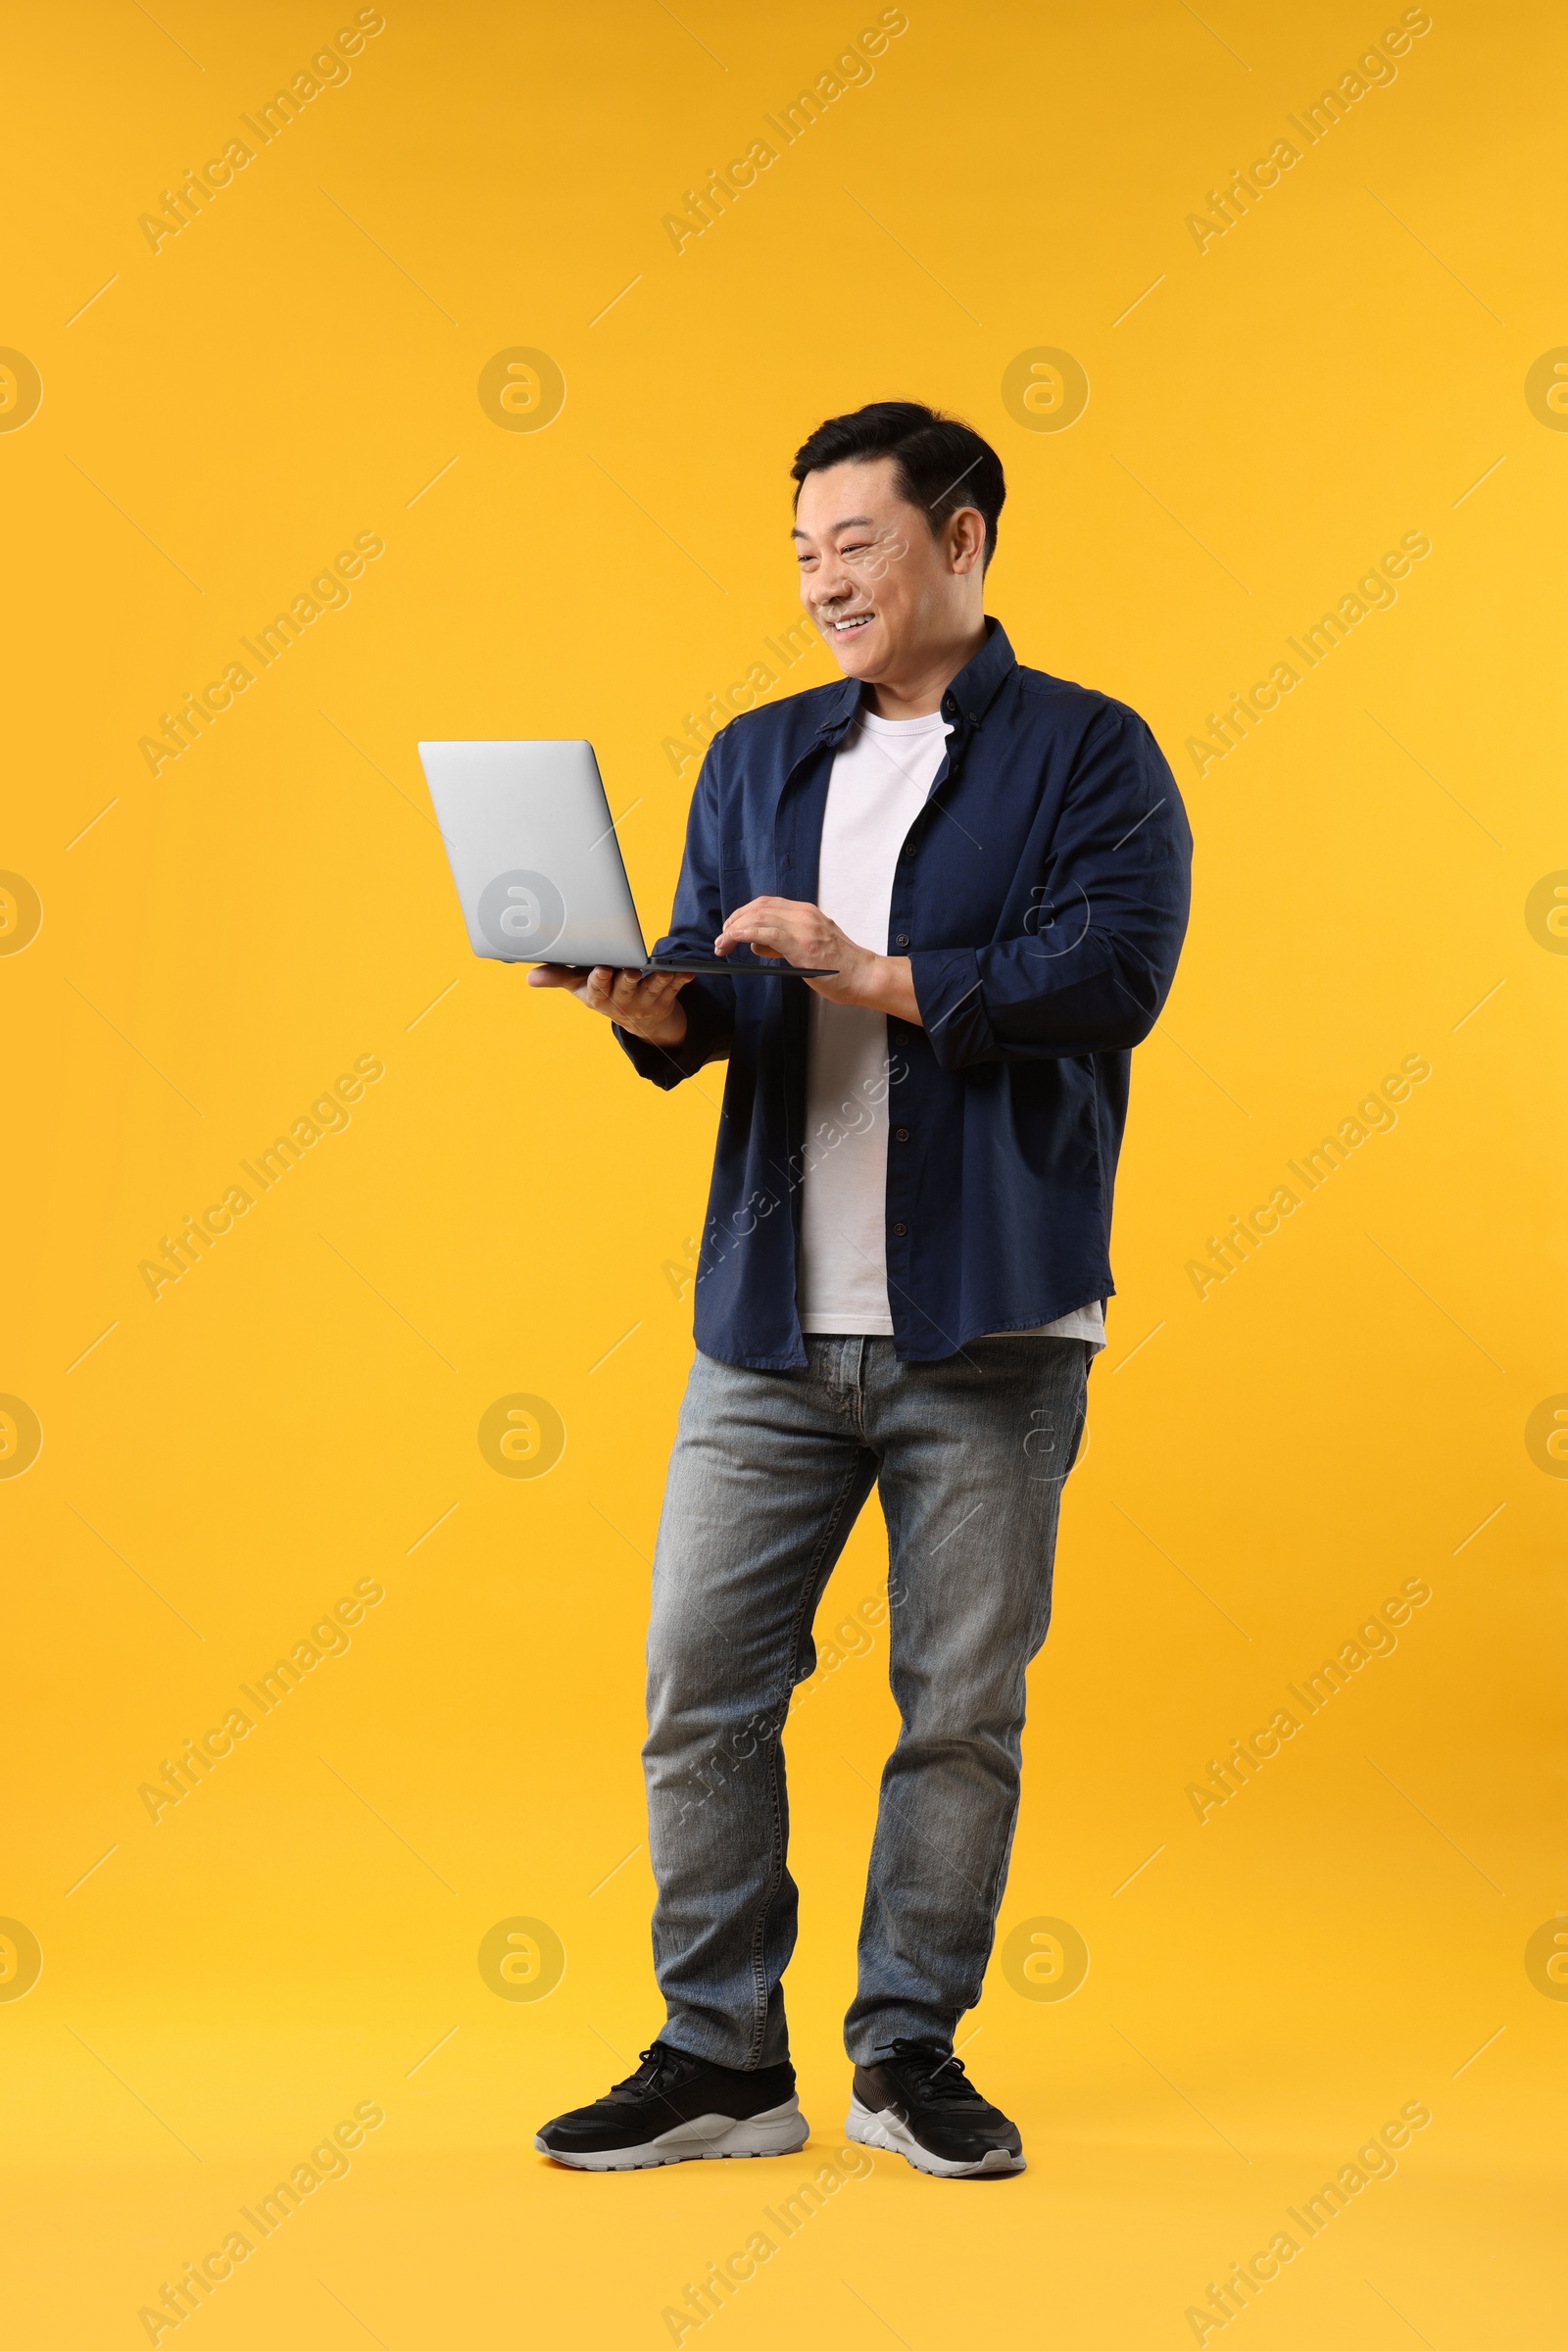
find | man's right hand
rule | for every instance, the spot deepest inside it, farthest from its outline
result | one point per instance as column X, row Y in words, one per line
column 649, row 1008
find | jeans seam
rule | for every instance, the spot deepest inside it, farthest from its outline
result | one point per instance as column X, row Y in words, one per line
column 775, row 1875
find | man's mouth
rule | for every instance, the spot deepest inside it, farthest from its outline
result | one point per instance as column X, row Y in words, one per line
column 850, row 621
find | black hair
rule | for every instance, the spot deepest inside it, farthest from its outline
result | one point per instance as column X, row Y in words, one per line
column 940, row 463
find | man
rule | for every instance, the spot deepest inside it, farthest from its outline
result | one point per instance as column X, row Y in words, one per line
column 901, row 1280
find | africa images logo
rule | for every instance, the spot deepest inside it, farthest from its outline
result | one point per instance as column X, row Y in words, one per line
column 522, row 914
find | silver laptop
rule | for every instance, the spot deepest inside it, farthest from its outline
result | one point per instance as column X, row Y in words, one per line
column 538, row 868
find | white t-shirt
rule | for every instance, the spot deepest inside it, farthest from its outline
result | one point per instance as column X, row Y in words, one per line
column 882, row 773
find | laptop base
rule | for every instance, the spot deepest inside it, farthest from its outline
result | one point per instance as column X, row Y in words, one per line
column 726, row 968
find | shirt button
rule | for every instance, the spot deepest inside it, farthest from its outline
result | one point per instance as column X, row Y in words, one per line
column 900, row 1134
column 900, row 1230
column 903, row 939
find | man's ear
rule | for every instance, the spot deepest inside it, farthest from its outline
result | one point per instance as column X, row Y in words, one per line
column 966, row 539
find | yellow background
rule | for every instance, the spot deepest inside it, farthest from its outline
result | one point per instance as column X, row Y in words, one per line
column 509, row 1203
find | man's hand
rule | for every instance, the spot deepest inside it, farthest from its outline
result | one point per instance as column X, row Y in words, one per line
column 803, row 934
column 647, row 1008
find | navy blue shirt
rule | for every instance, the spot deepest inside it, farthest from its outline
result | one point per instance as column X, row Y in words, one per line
column 1040, row 896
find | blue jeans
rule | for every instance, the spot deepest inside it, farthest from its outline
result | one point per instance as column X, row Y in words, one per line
column 769, row 1472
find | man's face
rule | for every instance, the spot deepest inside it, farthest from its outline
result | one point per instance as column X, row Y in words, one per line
column 876, row 582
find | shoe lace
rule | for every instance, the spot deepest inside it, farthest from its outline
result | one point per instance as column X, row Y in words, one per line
column 656, row 2063
column 939, row 2074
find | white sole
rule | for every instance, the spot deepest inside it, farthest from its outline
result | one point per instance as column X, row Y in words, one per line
column 706, row 2138
column 885, row 2130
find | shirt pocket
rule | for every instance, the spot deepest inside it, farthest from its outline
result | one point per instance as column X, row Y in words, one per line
column 738, row 881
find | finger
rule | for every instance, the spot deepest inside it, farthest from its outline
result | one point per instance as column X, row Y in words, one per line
column 765, row 907
column 639, row 997
column 769, row 933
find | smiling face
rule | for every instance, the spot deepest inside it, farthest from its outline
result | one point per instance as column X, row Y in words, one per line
column 890, row 596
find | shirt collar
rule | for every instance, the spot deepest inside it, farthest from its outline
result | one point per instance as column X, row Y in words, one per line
column 969, row 697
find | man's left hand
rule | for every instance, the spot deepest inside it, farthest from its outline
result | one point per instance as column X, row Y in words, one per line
column 798, row 933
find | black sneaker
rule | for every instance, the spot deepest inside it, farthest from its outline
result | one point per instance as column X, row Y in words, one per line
column 679, row 2109
column 916, row 2102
